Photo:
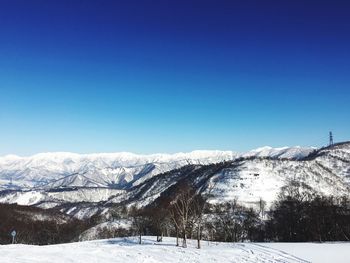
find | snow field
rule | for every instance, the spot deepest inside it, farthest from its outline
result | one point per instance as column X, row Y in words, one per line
column 128, row 250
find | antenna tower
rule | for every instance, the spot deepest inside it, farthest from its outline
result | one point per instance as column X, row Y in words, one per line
column 331, row 139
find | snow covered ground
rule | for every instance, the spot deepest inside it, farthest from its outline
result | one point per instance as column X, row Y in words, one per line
column 127, row 250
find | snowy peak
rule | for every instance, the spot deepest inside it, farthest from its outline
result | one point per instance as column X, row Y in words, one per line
column 64, row 169
column 121, row 158
column 131, row 159
column 296, row 152
column 114, row 170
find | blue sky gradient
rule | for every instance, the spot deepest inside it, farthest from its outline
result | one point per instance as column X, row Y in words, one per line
column 167, row 76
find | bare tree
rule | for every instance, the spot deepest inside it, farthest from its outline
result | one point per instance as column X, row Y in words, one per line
column 198, row 209
column 176, row 222
column 228, row 220
column 181, row 211
column 200, row 203
column 296, row 190
column 159, row 221
column 139, row 221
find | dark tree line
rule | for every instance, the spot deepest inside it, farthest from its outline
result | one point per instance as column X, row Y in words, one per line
column 38, row 226
column 231, row 222
column 300, row 216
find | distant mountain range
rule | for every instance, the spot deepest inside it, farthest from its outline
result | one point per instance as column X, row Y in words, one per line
column 83, row 185
column 113, row 170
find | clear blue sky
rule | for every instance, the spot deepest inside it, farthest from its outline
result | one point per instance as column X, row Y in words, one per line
column 167, row 76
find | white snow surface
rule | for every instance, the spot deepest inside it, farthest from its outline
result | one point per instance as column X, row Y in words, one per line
column 127, row 250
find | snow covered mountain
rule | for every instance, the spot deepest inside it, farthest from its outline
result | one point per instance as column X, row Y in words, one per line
column 114, row 170
column 296, row 152
column 247, row 179
column 93, row 183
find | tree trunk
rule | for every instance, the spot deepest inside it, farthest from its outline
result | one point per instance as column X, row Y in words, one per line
column 177, row 236
column 160, row 237
column 199, row 237
column 184, row 237
column 140, row 239
column 184, row 241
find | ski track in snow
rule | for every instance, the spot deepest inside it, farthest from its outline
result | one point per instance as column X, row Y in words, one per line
column 128, row 250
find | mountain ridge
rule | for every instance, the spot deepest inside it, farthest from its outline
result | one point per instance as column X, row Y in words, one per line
column 116, row 170
column 245, row 178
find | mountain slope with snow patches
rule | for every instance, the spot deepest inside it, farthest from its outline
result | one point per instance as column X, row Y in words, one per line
column 248, row 179
column 296, row 152
column 103, row 182
column 115, row 170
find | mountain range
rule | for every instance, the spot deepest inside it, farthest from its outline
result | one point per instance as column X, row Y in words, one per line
column 83, row 185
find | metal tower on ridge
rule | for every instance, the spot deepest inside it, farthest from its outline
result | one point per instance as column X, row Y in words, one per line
column 331, row 139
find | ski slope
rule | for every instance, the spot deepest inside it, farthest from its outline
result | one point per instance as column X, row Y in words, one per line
column 127, row 250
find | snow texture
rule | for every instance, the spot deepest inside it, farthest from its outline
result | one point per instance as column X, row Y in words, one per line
column 127, row 250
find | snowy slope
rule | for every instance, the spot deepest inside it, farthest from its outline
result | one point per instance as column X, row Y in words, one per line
column 259, row 178
column 249, row 179
column 127, row 250
column 327, row 173
column 296, row 152
column 110, row 226
column 53, row 198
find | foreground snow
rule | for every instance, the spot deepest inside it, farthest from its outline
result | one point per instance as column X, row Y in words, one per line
column 127, row 250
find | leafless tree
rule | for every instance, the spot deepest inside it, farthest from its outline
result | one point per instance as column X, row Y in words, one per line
column 181, row 211
column 176, row 221
column 139, row 221
column 159, row 221
column 200, row 203
column 198, row 213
